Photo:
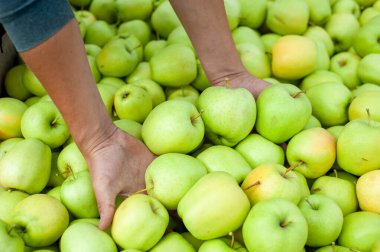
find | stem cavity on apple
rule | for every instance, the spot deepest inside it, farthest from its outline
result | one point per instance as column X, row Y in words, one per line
column 296, row 94
column 285, row 223
column 194, row 118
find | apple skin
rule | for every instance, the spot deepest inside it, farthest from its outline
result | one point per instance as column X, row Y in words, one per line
column 229, row 114
column 312, row 123
column 11, row 113
column 14, row 84
column 363, row 102
column 141, row 72
column 269, row 181
column 138, row 28
column 285, row 108
column 213, row 197
column 320, row 11
column 361, row 135
column 33, row 84
column 365, row 42
column 334, row 248
column 10, row 241
column 164, row 20
column 330, row 101
column 40, row 220
column 260, row 67
column 224, row 158
column 279, row 21
column 293, row 57
column 9, row 200
column 6, row 145
column 317, row 33
column 70, row 160
column 366, row 87
column 347, row 6
column 368, row 68
column 318, row 77
column 99, row 33
column 104, row 10
column 324, row 218
column 43, row 121
column 132, row 102
column 244, row 34
column 187, row 93
column 83, row 236
column 368, row 191
column 340, row 190
column 131, row 127
column 196, row 243
column 257, row 150
column 134, row 9
column 174, row 66
column 84, row 16
column 315, row 148
column 139, row 222
column 360, row 230
column 221, row 245
column 171, row 175
column 26, row 166
column 78, row 196
column 346, row 64
column 173, row 241
column 179, row 36
column 153, row 47
column 247, row 7
column 170, row 125
column 263, row 229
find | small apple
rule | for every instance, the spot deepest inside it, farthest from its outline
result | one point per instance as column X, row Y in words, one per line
column 11, row 112
column 104, row 10
column 99, row 33
column 320, row 11
column 223, row 244
column 138, row 28
column 317, row 33
column 14, row 84
column 244, row 34
column 32, row 83
column 247, row 7
column 141, row 72
column 179, row 35
column 131, row 127
column 347, row 6
column 366, row 87
column 368, row 68
column 173, row 241
column 164, row 20
column 70, row 160
column 254, row 59
column 368, row 191
column 366, row 40
column 186, row 93
column 346, row 64
column 134, row 9
column 84, row 16
column 364, row 102
column 153, row 47
column 318, row 77
column 312, row 123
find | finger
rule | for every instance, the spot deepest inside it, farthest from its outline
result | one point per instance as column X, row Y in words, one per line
column 106, row 205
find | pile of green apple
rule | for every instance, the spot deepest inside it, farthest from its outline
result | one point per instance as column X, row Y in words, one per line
column 297, row 169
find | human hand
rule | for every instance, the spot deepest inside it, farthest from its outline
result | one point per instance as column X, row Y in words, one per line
column 117, row 165
column 243, row 80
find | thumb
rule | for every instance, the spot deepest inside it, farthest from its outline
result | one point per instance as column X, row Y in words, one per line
column 106, row 206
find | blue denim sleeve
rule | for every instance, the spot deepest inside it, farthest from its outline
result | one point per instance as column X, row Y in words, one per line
column 30, row 22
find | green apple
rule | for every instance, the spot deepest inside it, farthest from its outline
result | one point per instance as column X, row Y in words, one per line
column 361, row 135
column 293, row 57
column 268, row 40
column 179, row 35
column 334, row 248
column 365, row 3
column 82, row 236
column 368, row 191
column 227, row 159
column 55, row 192
column 201, row 82
column 318, row 33
column 324, row 218
column 269, row 181
column 26, row 166
column 285, row 108
column 247, row 7
column 304, row 186
column 342, row 191
column 134, row 9
column 279, row 21
column 155, row 90
column 139, row 222
column 138, row 28
column 14, row 84
column 323, row 58
column 258, row 150
column 132, row 102
column 131, row 127
column 221, row 245
column 244, row 34
column 346, row 65
column 368, row 68
column 78, row 196
column 367, row 14
column 196, row 243
column 342, row 28
column 92, row 49
column 70, row 160
column 174, row 66
column 164, row 20
column 360, row 230
column 171, row 175
column 11, row 112
column 347, row 6
column 56, row 177
column 31, row 100
column 6, row 145
column 312, row 152
column 343, row 175
column 117, row 58
column 366, row 39
column 112, row 81
column 141, row 72
column 312, row 123
column 214, row 197
column 107, row 94
column 320, row 11
column 153, row 47
column 43, row 121
column 330, row 101
column 233, row 13
column 93, row 67
column 363, row 102
column 173, row 241
column 229, row 114
column 275, row 225
column 254, row 59
column 173, row 126
column 10, row 241
column 40, row 220
column 32, row 83
column 104, row 10
column 99, row 33
column 9, row 200
column 318, row 77
column 84, row 16
column 187, row 93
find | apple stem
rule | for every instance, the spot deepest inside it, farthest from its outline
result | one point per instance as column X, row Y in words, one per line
column 54, row 121
column 232, row 239
column 193, row 118
column 315, row 190
column 297, row 94
column 141, row 191
column 252, row 185
column 336, row 173
column 285, row 223
column 309, row 203
column 369, row 116
column 292, row 167
column 227, row 80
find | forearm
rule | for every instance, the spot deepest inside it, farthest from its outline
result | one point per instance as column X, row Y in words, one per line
column 61, row 65
column 207, row 26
